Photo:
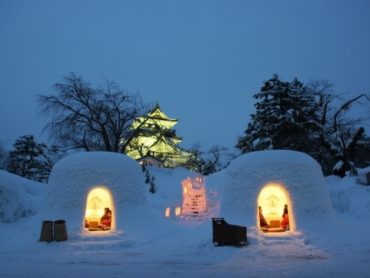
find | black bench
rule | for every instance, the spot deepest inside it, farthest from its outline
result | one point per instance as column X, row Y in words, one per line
column 226, row 234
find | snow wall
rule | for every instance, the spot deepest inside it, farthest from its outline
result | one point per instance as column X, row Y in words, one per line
column 296, row 172
column 73, row 177
column 19, row 197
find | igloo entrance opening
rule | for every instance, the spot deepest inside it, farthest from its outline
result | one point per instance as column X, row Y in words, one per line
column 99, row 214
column 274, row 209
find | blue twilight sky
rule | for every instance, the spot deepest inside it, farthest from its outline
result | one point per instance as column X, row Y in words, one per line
column 200, row 60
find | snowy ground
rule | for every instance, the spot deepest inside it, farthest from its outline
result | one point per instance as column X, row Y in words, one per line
column 154, row 246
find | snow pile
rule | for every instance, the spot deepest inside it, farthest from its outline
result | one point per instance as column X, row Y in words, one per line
column 349, row 197
column 363, row 175
column 19, row 197
column 168, row 185
column 297, row 172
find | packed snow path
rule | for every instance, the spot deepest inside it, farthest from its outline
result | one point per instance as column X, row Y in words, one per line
column 183, row 252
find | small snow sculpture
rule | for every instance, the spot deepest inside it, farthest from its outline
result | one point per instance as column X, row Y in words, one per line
column 194, row 196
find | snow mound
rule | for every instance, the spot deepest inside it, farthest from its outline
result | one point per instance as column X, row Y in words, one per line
column 74, row 176
column 19, row 197
column 362, row 175
column 297, row 172
column 168, row 185
column 349, row 197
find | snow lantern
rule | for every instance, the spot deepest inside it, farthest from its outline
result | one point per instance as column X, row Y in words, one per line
column 93, row 190
column 194, row 199
column 273, row 182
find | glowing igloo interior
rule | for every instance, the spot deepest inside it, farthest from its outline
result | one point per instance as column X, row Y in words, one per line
column 100, row 212
column 272, row 201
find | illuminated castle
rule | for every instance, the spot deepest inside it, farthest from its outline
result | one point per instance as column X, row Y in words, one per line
column 156, row 142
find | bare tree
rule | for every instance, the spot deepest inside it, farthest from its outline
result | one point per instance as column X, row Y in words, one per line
column 215, row 159
column 83, row 117
column 348, row 133
column 338, row 134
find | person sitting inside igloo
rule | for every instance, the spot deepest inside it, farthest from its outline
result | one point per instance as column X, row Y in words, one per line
column 263, row 222
column 106, row 219
column 285, row 222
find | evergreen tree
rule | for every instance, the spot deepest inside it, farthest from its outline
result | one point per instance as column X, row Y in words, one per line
column 149, row 179
column 3, row 156
column 282, row 118
column 292, row 116
column 29, row 159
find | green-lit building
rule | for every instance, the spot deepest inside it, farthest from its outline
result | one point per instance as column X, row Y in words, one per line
column 155, row 142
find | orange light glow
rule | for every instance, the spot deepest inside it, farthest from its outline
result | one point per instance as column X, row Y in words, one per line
column 168, row 212
column 97, row 200
column 272, row 199
column 178, row 211
column 194, row 196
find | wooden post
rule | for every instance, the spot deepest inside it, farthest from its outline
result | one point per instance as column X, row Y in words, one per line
column 60, row 230
column 47, row 231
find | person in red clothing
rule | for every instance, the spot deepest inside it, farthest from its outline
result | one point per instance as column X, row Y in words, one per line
column 106, row 219
column 285, row 222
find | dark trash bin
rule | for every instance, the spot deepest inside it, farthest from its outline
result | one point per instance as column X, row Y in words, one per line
column 60, row 230
column 47, row 231
column 226, row 234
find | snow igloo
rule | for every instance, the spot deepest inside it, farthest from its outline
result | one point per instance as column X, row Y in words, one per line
column 283, row 186
column 92, row 191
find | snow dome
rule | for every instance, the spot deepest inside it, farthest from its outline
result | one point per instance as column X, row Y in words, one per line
column 82, row 186
column 275, row 182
